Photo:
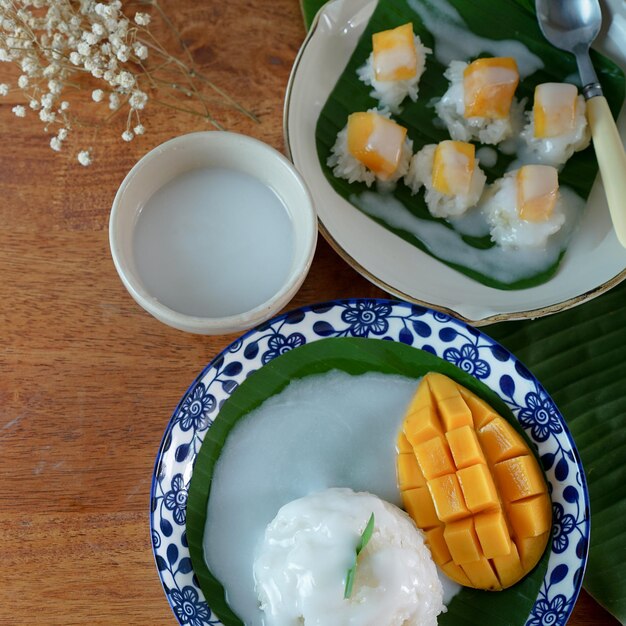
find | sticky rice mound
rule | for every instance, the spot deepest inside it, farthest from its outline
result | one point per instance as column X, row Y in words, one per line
column 441, row 205
column 302, row 564
column 391, row 93
column 451, row 106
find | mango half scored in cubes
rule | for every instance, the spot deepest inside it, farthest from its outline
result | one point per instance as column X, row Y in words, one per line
column 470, row 482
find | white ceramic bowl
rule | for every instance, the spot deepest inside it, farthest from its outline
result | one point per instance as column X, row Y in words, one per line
column 213, row 149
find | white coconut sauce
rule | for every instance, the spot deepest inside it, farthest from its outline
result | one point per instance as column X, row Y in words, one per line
column 487, row 156
column 328, row 430
column 505, row 265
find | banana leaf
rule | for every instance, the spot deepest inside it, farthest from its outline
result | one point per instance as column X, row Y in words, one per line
column 510, row 607
column 505, row 19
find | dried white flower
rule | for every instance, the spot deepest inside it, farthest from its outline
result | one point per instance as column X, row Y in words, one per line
column 125, row 80
column 55, row 144
column 65, row 105
column 127, row 135
column 139, row 129
column 97, row 95
column 123, row 53
column 138, row 100
column 62, row 134
column 55, row 87
column 142, row 19
column 22, row 81
column 47, row 100
column 34, row 105
column 141, row 51
column 47, row 116
column 114, row 101
column 84, row 158
column 19, row 110
column 4, row 89
column 75, row 58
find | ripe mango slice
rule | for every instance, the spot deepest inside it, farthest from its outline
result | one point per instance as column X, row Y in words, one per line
column 470, row 482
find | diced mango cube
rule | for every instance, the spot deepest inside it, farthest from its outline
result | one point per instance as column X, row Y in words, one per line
column 434, row 457
column 519, row 478
column 376, row 141
column 493, row 534
column 422, row 425
column 455, row 413
column 441, row 386
column 462, row 541
column 489, row 86
column 419, row 505
column 501, row 441
column 448, row 498
column 409, row 474
column 438, row 546
column 482, row 413
column 554, row 110
column 531, row 517
column 402, row 444
column 531, row 550
column 508, row 567
column 481, row 574
column 478, row 488
column 421, row 398
column 455, row 573
column 395, row 57
column 537, row 192
column 453, row 167
column 465, row 447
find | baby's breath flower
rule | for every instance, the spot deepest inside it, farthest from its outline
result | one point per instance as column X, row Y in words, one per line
column 97, row 95
column 19, row 110
column 125, row 80
column 22, row 81
column 114, row 101
column 127, row 135
column 84, row 158
column 141, row 51
column 138, row 100
column 123, row 53
column 46, row 115
column 55, row 87
column 139, row 129
column 75, row 58
column 4, row 89
column 65, row 105
column 62, row 134
column 142, row 19
column 34, row 104
column 55, row 144
column 47, row 100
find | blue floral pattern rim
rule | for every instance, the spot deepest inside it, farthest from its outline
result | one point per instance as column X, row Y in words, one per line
column 422, row 328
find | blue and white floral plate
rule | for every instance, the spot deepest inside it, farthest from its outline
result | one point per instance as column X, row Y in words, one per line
column 440, row 334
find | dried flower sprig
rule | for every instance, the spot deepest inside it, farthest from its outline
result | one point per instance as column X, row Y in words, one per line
column 63, row 47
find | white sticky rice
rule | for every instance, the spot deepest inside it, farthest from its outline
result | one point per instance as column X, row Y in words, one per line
column 301, row 566
column 507, row 228
column 391, row 93
column 441, row 205
column 486, row 130
column 344, row 165
column 557, row 150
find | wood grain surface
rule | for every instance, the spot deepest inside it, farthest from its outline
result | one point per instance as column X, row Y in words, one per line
column 88, row 380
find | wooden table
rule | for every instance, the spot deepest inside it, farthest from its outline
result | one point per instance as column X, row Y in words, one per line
column 88, row 380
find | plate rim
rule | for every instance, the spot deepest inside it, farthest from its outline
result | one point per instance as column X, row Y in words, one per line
column 324, row 309
column 358, row 267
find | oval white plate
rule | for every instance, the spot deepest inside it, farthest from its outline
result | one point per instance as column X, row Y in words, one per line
column 594, row 262
column 452, row 340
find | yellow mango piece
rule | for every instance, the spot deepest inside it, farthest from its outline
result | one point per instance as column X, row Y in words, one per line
column 493, row 534
column 419, row 505
column 376, row 142
column 395, row 57
column 434, row 458
column 462, row 542
column 501, row 441
column 409, row 474
column 531, row 517
column 508, row 567
column 448, row 498
column 531, row 550
column 554, row 110
column 422, row 425
column 486, row 507
column 489, row 86
column 437, row 544
column 537, row 192
column 519, row 478
column 455, row 413
column 465, row 447
column 402, row 444
column 482, row 413
column 455, row 573
column 481, row 575
column 478, row 488
column 453, row 167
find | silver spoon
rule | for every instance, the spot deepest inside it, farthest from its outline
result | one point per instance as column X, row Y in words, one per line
column 572, row 25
